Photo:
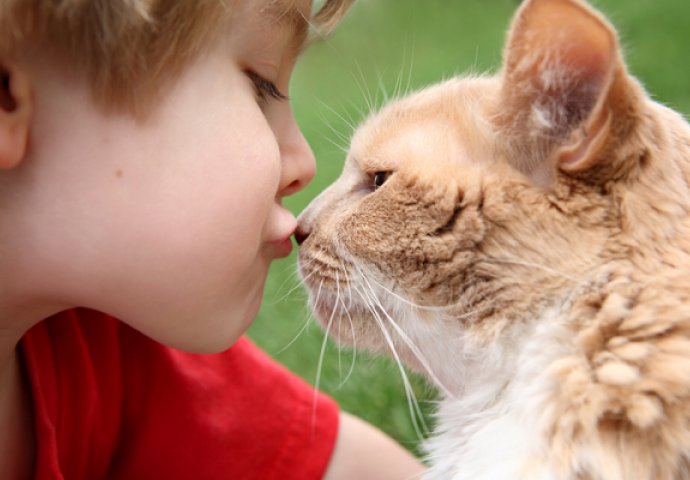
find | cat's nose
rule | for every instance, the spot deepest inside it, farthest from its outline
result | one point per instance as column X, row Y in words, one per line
column 301, row 234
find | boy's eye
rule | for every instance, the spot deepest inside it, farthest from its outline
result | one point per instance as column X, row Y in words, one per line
column 265, row 89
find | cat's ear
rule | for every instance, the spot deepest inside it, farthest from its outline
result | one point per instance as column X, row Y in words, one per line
column 561, row 62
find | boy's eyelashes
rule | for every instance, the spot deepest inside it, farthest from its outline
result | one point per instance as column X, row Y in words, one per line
column 7, row 101
column 265, row 89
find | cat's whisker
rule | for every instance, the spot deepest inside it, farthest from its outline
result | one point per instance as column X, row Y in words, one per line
column 409, row 73
column 361, row 112
column 417, row 353
column 433, row 308
column 310, row 318
column 292, row 276
column 416, row 414
column 341, row 143
column 342, row 136
column 382, row 89
column 337, row 302
column 322, row 354
column 341, row 149
column 351, row 121
column 397, row 87
column 348, row 122
column 295, row 276
column 399, row 90
column 406, row 339
column 524, row 263
column 298, row 285
column 360, row 80
column 306, row 323
column 447, row 309
column 354, row 339
column 370, row 102
column 340, row 300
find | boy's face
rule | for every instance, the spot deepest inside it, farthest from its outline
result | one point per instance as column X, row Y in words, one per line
column 171, row 224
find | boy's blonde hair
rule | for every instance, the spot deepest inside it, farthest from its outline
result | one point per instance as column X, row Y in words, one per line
column 128, row 49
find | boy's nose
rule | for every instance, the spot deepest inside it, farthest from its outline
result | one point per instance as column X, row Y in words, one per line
column 298, row 164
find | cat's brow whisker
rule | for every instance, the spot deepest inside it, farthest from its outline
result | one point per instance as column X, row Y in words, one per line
column 382, row 89
column 397, row 87
column 362, row 84
column 342, row 141
column 398, row 91
column 359, row 81
column 340, row 148
column 349, row 122
column 409, row 73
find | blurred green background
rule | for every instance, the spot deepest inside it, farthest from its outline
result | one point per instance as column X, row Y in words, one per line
column 387, row 45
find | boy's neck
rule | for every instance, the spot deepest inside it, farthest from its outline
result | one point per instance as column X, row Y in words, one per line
column 16, row 419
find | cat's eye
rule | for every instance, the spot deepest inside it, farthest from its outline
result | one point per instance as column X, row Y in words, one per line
column 380, row 178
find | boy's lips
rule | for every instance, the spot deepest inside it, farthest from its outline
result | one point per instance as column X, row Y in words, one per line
column 284, row 225
column 281, row 248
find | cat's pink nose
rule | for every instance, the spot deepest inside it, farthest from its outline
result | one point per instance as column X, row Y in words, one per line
column 301, row 234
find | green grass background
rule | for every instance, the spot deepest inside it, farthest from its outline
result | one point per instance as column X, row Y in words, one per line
column 380, row 46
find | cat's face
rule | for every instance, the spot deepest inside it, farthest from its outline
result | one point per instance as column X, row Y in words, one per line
column 470, row 207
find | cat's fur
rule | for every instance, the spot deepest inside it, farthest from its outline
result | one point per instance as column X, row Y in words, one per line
column 529, row 252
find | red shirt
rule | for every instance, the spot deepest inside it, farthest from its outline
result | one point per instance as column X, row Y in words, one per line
column 112, row 403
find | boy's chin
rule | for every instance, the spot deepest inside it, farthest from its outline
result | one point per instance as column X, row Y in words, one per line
column 211, row 342
column 211, row 330
column 209, row 335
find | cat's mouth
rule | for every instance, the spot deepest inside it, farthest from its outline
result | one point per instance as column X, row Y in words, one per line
column 326, row 277
column 320, row 268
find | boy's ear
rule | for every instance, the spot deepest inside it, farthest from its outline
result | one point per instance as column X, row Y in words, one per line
column 16, row 109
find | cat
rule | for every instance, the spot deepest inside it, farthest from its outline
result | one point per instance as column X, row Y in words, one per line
column 523, row 239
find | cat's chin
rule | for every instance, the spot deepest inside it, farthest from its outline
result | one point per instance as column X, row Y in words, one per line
column 362, row 333
column 355, row 328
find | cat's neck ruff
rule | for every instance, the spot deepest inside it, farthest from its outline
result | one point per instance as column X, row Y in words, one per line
column 499, row 414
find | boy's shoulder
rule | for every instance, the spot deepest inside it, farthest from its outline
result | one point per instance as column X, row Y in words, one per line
column 109, row 400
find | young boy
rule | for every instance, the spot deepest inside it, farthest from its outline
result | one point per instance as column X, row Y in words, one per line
column 145, row 147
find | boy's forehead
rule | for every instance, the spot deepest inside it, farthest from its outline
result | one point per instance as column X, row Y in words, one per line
column 291, row 13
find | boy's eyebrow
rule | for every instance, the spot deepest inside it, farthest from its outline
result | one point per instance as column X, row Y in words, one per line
column 291, row 17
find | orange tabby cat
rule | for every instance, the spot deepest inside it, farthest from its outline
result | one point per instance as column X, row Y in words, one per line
column 524, row 240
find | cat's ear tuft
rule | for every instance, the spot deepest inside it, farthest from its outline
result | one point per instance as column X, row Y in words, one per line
column 560, row 62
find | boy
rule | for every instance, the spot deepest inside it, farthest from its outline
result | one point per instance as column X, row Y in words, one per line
column 145, row 147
